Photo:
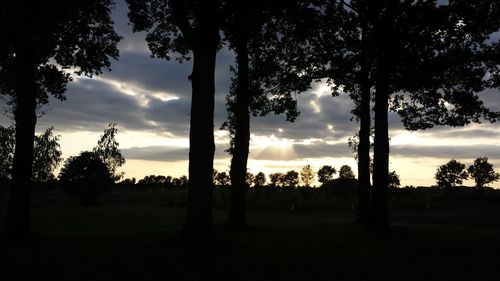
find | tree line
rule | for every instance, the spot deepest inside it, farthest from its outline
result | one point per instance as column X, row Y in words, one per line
column 424, row 60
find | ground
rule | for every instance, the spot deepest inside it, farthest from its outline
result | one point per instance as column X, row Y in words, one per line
column 139, row 242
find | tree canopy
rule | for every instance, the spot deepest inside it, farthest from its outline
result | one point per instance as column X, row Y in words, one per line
column 482, row 172
column 107, row 150
column 40, row 42
column 46, row 155
column 450, row 174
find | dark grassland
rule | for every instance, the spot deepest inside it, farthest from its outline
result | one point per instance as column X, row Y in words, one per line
column 133, row 236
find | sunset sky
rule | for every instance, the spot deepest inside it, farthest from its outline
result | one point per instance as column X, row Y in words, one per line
column 149, row 99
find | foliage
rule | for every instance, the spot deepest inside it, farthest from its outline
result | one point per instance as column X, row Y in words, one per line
column 290, row 179
column 325, row 173
column 46, row 155
column 249, row 179
column 107, row 150
column 222, row 179
column 346, row 173
column 155, row 182
column 275, row 179
column 451, row 174
column 482, row 172
column 58, row 36
column 394, row 181
column 307, row 175
column 181, row 181
column 85, row 177
column 7, row 144
column 260, row 179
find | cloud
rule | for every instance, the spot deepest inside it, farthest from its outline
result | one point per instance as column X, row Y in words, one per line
column 142, row 93
column 166, row 153
column 89, row 104
column 449, row 151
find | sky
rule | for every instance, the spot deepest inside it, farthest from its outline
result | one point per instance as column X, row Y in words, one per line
column 149, row 99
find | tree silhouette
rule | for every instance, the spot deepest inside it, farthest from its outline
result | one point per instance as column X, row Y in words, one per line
column 433, row 56
column 290, row 179
column 189, row 26
column 46, row 156
column 260, row 179
column 451, row 174
column 245, row 25
column 39, row 40
column 7, row 145
column 249, row 179
column 483, row 173
column 325, row 174
column 347, row 61
column 346, row 173
column 275, row 179
column 107, row 150
column 394, row 181
column 307, row 175
column 85, row 177
column 222, row 179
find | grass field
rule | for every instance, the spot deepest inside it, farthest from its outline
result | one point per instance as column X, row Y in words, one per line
column 139, row 242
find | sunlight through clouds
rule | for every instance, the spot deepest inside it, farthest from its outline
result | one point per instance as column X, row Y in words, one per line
column 272, row 147
column 141, row 94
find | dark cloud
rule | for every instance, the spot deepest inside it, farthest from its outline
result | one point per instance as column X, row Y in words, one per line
column 89, row 104
column 447, row 151
column 156, row 153
column 171, row 116
column 489, row 132
column 166, row 153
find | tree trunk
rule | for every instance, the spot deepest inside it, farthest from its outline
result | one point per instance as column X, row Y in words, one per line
column 364, row 132
column 18, row 224
column 240, row 150
column 379, row 218
column 198, row 226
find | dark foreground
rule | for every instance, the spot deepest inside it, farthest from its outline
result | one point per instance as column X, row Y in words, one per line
column 140, row 243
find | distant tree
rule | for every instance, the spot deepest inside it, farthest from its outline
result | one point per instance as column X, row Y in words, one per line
column 107, row 150
column 214, row 174
column 394, row 181
column 307, row 175
column 325, row 174
column 181, row 181
column 222, row 179
column 85, row 177
column 189, row 28
column 46, row 156
column 128, row 181
column 290, row 179
column 249, row 179
column 260, row 179
column 275, row 179
column 346, row 173
column 7, row 144
column 482, row 172
column 155, row 182
column 451, row 174
column 42, row 42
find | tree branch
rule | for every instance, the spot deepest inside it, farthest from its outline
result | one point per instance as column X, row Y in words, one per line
column 179, row 11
